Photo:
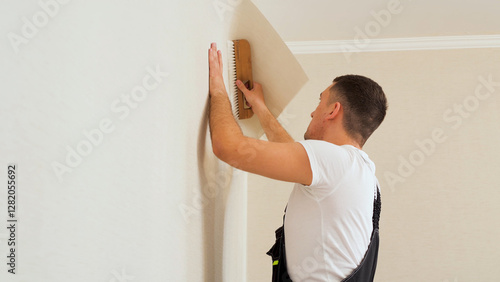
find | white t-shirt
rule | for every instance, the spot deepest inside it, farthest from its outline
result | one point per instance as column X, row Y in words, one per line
column 328, row 224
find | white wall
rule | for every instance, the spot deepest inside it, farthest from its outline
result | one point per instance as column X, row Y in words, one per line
column 116, row 215
column 104, row 110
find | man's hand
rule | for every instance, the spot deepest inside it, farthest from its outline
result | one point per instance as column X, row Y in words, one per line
column 254, row 97
column 215, row 71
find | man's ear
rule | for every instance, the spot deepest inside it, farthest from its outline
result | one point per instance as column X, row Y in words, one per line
column 334, row 110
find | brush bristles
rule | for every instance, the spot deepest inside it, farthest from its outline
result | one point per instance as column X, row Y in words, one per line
column 232, row 80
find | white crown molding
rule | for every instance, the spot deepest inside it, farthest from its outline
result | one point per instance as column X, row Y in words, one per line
column 394, row 44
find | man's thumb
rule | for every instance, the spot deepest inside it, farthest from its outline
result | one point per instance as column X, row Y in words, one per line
column 241, row 86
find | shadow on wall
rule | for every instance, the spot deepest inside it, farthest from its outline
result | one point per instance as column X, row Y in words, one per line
column 210, row 253
column 215, row 178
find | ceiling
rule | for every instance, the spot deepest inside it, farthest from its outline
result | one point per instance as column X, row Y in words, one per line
column 299, row 20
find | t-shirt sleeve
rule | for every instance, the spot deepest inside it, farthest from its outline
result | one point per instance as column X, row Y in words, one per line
column 328, row 165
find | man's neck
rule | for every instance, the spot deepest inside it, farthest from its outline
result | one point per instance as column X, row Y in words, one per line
column 341, row 138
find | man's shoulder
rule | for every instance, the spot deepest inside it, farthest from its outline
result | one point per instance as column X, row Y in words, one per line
column 334, row 153
column 324, row 147
column 325, row 154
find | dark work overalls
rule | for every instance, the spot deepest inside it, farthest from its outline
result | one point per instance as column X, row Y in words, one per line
column 365, row 272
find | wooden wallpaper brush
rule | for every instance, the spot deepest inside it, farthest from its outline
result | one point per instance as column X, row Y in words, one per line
column 240, row 68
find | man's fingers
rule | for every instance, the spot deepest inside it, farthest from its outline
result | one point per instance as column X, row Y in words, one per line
column 211, row 54
column 215, row 59
column 219, row 54
column 241, row 86
column 245, row 91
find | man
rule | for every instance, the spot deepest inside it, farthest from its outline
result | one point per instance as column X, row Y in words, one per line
column 328, row 222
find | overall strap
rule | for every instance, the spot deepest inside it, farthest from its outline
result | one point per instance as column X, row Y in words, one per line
column 365, row 272
column 278, row 255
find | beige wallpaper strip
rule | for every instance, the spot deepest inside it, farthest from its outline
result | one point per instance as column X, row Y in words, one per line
column 274, row 66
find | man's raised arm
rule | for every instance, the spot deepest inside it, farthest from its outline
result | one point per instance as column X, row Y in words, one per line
column 287, row 161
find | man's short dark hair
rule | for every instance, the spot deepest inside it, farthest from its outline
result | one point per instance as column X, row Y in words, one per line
column 364, row 104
